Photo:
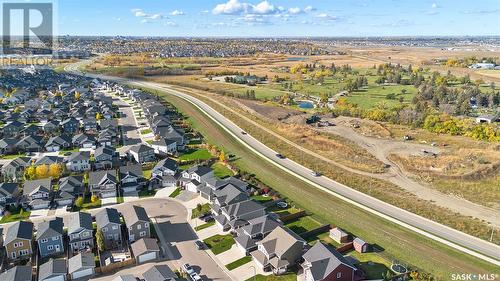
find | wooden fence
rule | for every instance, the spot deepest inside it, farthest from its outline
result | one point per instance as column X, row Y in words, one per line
column 318, row 230
column 114, row 266
column 289, row 217
column 345, row 247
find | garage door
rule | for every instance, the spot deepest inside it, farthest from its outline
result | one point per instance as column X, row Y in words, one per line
column 147, row 257
column 57, row 278
column 82, row 273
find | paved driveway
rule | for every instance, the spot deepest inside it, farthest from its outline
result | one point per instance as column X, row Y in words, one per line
column 61, row 211
column 108, row 201
column 208, row 232
column 165, row 192
column 248, row 270
column 130, row 196
column 39, row 213
column 231, row 255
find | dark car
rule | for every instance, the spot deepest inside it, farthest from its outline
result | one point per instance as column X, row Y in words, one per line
column 207, row 217
column 280, row 156
column 200, row 245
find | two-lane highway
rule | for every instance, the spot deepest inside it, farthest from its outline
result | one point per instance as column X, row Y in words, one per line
column 458, row 240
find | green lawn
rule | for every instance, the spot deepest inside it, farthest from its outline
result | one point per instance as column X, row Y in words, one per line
column 261, row 198
column 290, row 276
column 146, row 193
column 205, row 225
column 12, row 156
column 219, row 243
column 176, row 193
column 239, row 262
column 375, row 94
column 120, row 199
column 16, row 215
column 199, row 154
column 145, row 131
column 147, row 173
column 87, row 203
column 302, row 224
column 323, row 237
column 372, row 264
column 205, row 208
column 221, row 171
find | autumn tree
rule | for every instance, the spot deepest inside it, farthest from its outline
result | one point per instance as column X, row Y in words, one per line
column 55, row 170
column 222, row 156
column 98, row 116
column 94, row 199
column 42, row 171
column 77, row 95
column 30, row 172
column 79, row 202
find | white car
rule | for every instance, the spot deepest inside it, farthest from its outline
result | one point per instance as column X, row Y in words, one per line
column 195, row 276
column 188, row 269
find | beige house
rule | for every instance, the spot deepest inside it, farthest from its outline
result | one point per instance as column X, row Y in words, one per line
column 18, row 240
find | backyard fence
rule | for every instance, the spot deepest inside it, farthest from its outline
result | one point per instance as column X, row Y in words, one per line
column 318, row 230
column 345, row 247
column 114, row 266
column 289, row 217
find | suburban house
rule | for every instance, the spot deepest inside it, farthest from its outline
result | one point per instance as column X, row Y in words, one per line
column 131, row 178
column 228, row 195
column 165, row 146
column 142, row 153
column 81, row 265
column 58, row 143
column 79, row 161
column 323, row 263
column 145, row 249
column 167, row 166
column 237, row 215
column 108, row 221
column 53, row 270
column 255, row 230
column 49, row 237
column 137, row 222
column 14, row 170
column 104, row 157
column 9, row 192
column 80, row 231
column 103, row 183
column 37, row 192
column 70, row 125
column 69, row 188
column 279, row 250
column 17, row 241
column 8, row 146
column 18, row 273
column 160, row 272
column 195, row 176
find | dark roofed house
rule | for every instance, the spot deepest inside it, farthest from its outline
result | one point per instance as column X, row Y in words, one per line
column 137, row 222
column 38, row 192
column 53, row 270
column 145, row 249
column 18, row 273
column 131, row 178
column 103, row 183
column 142, row 153
column 9, row 192
column 81, row 265
column 256, row 230
column 49, row 237
column 17, row 241
column 323, row 263
column 14, row 170
column 80, row 231
column 160, row 272
column 108, row 220
column 104, row 157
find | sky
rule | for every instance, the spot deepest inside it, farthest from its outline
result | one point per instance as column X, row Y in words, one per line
column 278, row 18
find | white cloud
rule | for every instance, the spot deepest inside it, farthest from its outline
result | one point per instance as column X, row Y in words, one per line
column 141, row 14
column 309, row 9
column 264, row 8
column 295, row 10
column 230, row 8
column 171, row 24
column 177, row 13
column 434, row 5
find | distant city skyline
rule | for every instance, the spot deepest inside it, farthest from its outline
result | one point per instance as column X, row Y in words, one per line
column 248, row 18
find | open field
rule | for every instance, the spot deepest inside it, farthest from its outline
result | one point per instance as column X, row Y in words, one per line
column 398, row 243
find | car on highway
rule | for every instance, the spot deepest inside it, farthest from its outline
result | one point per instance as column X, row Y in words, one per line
column 280, row 156
column 200, row 245
column 243, row 132
column 315, row 173
column 188, row 268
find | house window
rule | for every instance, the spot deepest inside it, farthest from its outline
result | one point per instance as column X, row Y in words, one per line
column 146, row 225
column 142, row 233
column 104, row 229
column 43, row 241
column 55, row 238
column 115, row 227
column 20, row 244
column 13, row 255
column 85, row 234
column 50, row 247
column 23, row 252
column 139, row 226
column 339, row 275
column 15, row 245
column 110, row 236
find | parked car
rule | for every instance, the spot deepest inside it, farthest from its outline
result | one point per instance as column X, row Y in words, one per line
column 200, row 245
column 188, row 268
column 195, row 276
column 280, row 156
column 282, row 205
column 206, row 217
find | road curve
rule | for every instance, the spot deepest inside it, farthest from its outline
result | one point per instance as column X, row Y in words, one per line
column 453, row 238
